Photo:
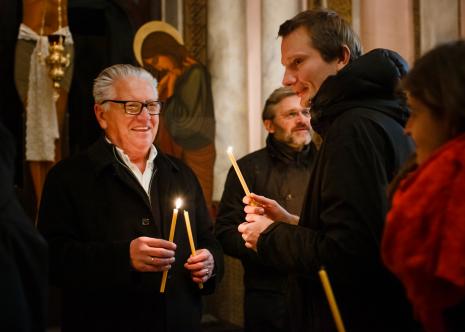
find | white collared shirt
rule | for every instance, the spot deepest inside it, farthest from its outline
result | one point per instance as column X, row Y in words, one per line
column 143, row 178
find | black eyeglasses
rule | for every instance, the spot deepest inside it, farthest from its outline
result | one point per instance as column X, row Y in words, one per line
column 135, row 107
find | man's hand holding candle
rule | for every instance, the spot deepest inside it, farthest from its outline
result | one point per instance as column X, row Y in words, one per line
column 151, row 254
column 256, row 204
column 260, row 215
column 200, row 266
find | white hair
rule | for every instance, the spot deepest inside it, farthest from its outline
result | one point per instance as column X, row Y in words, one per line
column 103, row 84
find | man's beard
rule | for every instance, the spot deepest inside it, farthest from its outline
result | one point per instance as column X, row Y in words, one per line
column 298, row 140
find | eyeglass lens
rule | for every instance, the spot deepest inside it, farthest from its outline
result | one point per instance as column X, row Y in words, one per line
column 135, row 107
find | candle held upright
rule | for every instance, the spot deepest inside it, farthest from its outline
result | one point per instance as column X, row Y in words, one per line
column 191, row 238
column 178, row 204
column 229, row 151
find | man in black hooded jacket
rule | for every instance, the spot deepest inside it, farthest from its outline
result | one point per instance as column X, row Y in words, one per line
column 360, row 117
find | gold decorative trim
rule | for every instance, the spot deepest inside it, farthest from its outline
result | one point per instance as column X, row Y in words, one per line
column 147, row 29
column 314, row 4
column 342, row 7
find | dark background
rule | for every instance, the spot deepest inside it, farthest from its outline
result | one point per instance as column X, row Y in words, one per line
column 103, row 31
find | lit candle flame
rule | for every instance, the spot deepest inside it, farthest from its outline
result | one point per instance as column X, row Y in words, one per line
column 178, row 204
column 230, row 149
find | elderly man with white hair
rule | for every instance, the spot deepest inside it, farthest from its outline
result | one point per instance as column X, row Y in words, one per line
column 106, row 214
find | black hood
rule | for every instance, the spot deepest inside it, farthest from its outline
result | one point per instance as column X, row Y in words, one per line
column 368, row 82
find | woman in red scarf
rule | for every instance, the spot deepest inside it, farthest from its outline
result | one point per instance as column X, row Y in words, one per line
column 424, row 238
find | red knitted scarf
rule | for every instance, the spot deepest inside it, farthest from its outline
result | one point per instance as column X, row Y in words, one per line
column 424, row 237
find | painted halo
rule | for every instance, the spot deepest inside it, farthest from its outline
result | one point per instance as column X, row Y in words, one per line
column 147, row 29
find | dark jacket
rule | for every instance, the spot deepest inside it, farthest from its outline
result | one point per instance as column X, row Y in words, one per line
column 279, row 173
column 23, row 255
column 92, row 208
column 360, row 118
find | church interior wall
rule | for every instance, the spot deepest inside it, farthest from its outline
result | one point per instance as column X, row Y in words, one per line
column 242, row 52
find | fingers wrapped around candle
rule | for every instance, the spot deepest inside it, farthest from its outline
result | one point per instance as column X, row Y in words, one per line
column 252, row 206
column 254, row 199
column 160, row 264
column 200, row 266
column 151, row 254
column 251, row 229
column 269, row 207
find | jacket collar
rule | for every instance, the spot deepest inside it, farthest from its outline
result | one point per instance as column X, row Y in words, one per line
column 104, row 157
column 285, row 154
column 103, row 154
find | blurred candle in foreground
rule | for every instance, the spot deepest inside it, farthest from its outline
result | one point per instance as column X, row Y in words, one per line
column 331, row 300
column 178, row 204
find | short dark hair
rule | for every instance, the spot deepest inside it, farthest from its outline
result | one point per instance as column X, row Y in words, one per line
column 274, row 99
column 328, row 33
column 437, row 79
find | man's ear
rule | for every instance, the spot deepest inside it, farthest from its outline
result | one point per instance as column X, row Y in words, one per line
column 344, row 59
column 269, row 126
column 100, row 114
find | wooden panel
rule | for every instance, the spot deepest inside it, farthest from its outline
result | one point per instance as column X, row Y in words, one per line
column 462, row 18
column 195, row 28
column 416, row 28
column 342, row 7
column 227, row 303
